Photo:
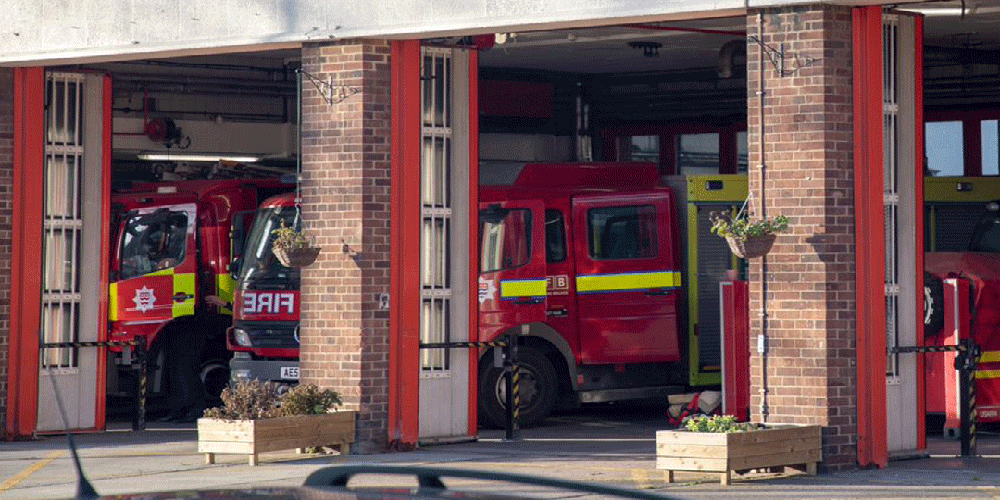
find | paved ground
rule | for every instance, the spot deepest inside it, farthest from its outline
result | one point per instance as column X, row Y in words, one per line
column 602, row 445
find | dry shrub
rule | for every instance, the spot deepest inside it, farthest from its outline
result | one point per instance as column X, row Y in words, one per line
column 254, row 400
column 247, row 400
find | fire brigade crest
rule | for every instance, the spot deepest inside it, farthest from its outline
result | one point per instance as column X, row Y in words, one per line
column 144, row 299
column 487, row 290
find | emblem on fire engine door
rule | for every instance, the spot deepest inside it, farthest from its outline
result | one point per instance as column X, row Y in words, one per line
column 144, row 299
column 487, row 290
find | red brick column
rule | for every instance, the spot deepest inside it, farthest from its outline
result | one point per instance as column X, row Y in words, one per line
column 345, row 188
column 810, row 374
column 6, row 207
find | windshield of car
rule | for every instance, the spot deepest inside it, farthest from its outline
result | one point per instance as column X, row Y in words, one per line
column 153, row 242
column 259, row 263
column 986, row 236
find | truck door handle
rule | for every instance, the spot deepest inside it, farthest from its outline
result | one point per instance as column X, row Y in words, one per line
column 181, row 296
column 558, row 313
column 524, row 302
column 660, row 291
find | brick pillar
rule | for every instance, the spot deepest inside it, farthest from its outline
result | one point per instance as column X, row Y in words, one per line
column 345, row 192
column 6, row 208
column 809, row 371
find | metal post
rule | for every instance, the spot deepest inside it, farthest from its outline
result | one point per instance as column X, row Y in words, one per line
column 515, row 375
column 139, row 418
column 509, row 392
column 965, row 362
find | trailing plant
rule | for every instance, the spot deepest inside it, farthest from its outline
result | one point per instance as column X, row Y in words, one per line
column 288, row 239
column 741, row 227
column 307, row 399
column 716, row 423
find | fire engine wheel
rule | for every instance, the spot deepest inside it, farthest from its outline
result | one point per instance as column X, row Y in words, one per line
column 933, row 305
column 214, row 378
column 538, row 386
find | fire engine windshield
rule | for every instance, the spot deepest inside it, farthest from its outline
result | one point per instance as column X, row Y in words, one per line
column 259, row 263
column 153, row 242
column 505, row 239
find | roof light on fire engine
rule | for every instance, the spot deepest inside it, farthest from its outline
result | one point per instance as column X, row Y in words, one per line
column 993, row 206
column 241, row 337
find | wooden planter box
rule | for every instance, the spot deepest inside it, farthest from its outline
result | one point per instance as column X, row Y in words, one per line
column 251, row 437
column 776, row 446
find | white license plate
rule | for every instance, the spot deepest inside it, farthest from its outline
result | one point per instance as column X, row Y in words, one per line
column 290, row 372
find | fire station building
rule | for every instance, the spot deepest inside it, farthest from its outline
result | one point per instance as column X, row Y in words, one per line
column 837, row 115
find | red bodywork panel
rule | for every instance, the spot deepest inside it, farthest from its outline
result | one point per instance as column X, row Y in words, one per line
column 982, row 270
column 506, row 295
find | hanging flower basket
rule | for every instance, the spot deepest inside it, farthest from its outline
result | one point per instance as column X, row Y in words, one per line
column 751, row 247
column 296, row 257
column 748, row 239
column 292, row 248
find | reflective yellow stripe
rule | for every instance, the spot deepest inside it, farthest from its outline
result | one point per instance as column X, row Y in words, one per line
column 113, row 303
column 987, row 374
column 225, row 285
column 512, row 289
column 184, row 283
column 945, row 189
column 628, row 281
column 990, row 357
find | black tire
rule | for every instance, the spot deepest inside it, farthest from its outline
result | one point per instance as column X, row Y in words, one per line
column 933, row 305
column 214, row 378
column 538, row 389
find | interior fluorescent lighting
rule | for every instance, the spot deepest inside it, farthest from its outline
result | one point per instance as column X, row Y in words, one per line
column 197, row 157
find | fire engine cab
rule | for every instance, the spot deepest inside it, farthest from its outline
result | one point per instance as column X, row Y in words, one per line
column 584, row 261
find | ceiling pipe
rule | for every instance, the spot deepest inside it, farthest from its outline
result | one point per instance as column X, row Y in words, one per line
column 960, row 55
column 706, row 31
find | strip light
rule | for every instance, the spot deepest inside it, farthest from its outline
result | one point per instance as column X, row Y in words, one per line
column 197, row 157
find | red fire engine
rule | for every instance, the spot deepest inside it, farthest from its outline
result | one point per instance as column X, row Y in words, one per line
column 171, row 250
column 264, row 338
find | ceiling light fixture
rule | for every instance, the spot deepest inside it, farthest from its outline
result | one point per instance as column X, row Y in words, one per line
column 197, row 157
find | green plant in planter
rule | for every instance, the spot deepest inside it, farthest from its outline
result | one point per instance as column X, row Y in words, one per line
column 307, row 399
column 716, row 423
column 741, row 227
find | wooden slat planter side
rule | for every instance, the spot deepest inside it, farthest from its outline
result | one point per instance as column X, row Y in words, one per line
column 251, row 437
column 777, row 446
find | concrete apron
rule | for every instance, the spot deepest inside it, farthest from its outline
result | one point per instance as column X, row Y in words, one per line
column 596, row 446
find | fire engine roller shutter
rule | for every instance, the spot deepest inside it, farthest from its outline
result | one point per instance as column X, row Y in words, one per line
column 953, row 205
column 706, row 259
column 714, row 259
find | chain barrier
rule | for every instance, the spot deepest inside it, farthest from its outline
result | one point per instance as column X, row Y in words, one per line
column 511, row 376
column 968, row 353
column 138, row 344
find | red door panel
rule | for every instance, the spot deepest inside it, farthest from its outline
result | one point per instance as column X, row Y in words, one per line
column 512, row 279
column 627, row 279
